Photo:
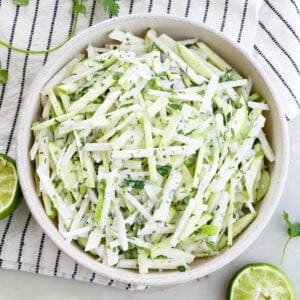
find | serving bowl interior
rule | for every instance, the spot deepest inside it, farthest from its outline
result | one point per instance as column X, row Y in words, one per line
column 177, row 28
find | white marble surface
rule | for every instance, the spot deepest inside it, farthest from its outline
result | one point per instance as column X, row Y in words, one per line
column 267, row 248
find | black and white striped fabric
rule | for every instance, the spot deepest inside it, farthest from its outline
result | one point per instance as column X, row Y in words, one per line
column 269, row 29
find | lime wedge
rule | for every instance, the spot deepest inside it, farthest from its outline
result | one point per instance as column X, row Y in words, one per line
column 9, row 186
column 261, row 281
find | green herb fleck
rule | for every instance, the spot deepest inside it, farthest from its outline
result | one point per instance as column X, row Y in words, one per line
column 136, row 184
column 110, row 6
column 175, row 106
column 130, row 253
column 232, row 132
column 181, row 268
column 164, row 170
column 82, row 141
column 117, row 75
column 82, row 187
column 185, row 200
column 239, row 105
column 190, row 160
column 201, row 93
column 147, row 238
column 162, row 75
column 228, row 117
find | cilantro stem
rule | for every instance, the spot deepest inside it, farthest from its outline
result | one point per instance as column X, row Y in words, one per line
column 25, row 51
column 284, row 250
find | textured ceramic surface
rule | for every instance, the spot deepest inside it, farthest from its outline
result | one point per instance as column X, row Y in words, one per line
column 177, row 28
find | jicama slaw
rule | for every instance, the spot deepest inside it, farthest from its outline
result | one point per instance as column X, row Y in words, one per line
column 150, row 152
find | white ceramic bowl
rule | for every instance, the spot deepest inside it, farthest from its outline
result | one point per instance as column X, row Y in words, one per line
column 178, row 28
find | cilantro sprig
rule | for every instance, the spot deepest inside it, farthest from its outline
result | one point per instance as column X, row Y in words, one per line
column 110, row 6
column 293, row 231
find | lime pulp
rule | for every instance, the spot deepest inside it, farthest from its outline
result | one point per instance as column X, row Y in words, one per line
column 261, row 281
column 9, row 186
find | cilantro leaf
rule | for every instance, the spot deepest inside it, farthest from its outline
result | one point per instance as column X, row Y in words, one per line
column 21, row 2
column 3, row 75
column 136, row 184
column 293, row 228
column 232, row 133
column 181, row 268
column 164, row 170
column 79, row 9
column 228, row 117
column 190, row 160
column 110, row 6
column 293, row 231
column 175, row 106
column 130, row 253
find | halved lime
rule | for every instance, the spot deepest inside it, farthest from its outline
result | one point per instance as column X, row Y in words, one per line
column 9, row 186
column 261, row 281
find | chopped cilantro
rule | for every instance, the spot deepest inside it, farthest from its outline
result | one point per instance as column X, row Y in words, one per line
column 190, row 160
column 175, row 106
column 82, row 141
column 228, row 117
column 136, row 184
column 181, row 268
column 239, row 105
column 117, row 75
column 232, row 132
column 164, row 170
column 185, row 200
column 130, row 253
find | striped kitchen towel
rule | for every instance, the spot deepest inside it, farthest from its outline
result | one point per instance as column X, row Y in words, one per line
column 268, row 28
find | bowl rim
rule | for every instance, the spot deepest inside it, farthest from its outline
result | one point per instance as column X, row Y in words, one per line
column 151, row 279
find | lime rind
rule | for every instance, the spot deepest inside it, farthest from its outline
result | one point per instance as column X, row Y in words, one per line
column 259, row 275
